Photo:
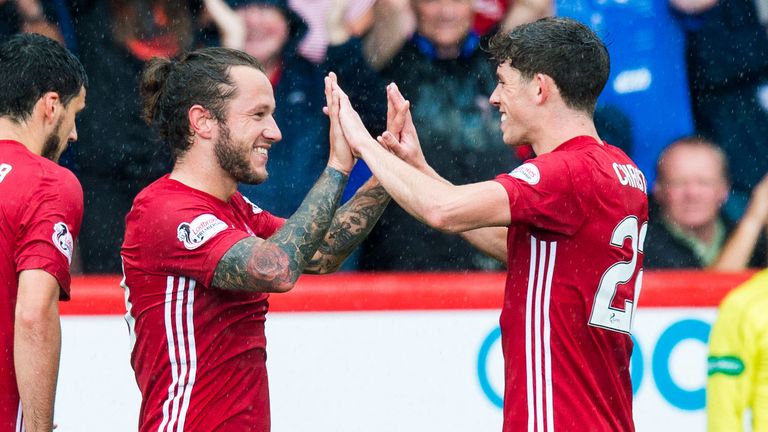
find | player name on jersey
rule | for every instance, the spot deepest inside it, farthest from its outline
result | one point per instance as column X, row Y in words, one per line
column 630, row 176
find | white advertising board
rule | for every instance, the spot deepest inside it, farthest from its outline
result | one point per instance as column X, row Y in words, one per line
column 387, row 371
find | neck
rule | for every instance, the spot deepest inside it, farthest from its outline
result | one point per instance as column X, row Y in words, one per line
column 570, row 124
column 704, row 233
column 204, row 174
column 25, row 133
column 447, row 52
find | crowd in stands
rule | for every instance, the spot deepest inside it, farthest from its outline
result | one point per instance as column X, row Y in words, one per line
column 687, row 99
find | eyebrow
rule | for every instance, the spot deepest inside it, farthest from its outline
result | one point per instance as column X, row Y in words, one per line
column 262, row 107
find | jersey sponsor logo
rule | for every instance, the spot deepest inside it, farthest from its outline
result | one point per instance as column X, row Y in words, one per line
column 256, row 209
column 726, row 365
column 63, row 240
column 527, row 172
column 194, row 234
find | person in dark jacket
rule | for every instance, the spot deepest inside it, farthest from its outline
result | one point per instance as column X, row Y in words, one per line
column 687, row 228
column 273, row 32
column 448, row 79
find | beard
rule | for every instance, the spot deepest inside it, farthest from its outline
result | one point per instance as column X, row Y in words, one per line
column 53, row 145
column 236, row 160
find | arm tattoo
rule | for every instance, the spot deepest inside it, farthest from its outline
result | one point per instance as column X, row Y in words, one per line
column 275, row 264
column 351, row 224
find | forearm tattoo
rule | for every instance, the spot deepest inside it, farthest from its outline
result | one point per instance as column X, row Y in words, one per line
column 275, row 264
column 351, row 224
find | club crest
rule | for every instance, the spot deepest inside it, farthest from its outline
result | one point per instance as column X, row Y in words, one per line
column 62, row 239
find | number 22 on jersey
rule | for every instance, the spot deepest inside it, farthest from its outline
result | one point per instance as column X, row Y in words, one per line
column 603, row 313
column 4, row 170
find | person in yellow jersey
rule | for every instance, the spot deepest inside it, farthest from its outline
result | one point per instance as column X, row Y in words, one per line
column 737, row 384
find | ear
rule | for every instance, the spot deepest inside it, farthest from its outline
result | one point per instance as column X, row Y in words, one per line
column 50, row 106
column 543, row 86
column 201, row 121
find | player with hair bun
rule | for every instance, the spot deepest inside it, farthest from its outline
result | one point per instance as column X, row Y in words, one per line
column 200, row 260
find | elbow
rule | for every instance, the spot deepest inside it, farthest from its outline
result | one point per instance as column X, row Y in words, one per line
column 439, row 218
column 281, row 287
column 30, row 318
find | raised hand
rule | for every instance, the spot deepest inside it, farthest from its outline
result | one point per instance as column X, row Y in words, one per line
column 341, row 156
column 401, row 137
column 354, row 130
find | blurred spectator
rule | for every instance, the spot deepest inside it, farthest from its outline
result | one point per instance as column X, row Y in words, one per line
column 117, row 154
column 29, row 16
column 737, row 387
column 648, row 81
column 448, row 80
column 688, row 229
column 273, row 33
column 728, row 68
column 357, row 16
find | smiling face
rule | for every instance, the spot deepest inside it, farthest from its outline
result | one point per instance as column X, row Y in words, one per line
column 65, row 129
column 243, row 143
column 513, row 97
column 267, row 31
column 444, row 22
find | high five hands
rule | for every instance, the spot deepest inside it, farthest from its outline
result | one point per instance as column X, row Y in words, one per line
column 400, row 138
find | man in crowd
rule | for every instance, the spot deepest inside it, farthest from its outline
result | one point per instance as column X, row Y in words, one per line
column 570, row 225
column 42, row 89
column 199, row 259
column 690, row 230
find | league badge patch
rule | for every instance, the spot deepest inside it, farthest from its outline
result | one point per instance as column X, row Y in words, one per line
column 200, row 230
column 527, row 172
column 62, row 239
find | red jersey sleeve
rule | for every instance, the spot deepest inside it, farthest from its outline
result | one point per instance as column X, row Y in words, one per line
column 186, row 240
column 542, row 194
column 50, row 223
column 262, row 222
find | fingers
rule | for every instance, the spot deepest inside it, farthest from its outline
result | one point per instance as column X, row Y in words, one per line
column 388, row 140
column 400, row 118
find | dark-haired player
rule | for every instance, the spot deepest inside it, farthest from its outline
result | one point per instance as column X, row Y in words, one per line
column 41, row 205
column 199, row 259
column 570, row 225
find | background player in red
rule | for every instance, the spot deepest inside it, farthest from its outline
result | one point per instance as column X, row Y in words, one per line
column 41, row 90
column 570, row 224
column 199, row 259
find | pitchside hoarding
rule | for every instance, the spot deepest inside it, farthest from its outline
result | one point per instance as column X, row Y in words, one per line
column 393, row 353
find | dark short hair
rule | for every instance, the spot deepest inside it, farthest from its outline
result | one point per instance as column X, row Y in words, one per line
column 561, row 48
column 33, row 65
column 169, row 88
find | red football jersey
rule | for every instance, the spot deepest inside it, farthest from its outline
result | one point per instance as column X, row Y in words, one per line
column 575, row 257
column 40, row 214
column 198, row 352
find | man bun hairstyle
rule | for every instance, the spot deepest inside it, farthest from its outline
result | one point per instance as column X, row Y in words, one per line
column 32, row 66
column 563, row 49
column 170, row 88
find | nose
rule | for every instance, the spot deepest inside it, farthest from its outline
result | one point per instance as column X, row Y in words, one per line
column 73, row 134
column 494, row 99
column 272, row 132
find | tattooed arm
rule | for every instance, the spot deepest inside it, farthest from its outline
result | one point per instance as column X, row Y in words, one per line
column 274, row 265
column 351, row 224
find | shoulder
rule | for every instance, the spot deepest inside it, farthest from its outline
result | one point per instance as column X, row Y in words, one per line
column 749, row 300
